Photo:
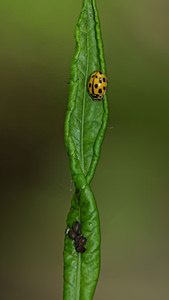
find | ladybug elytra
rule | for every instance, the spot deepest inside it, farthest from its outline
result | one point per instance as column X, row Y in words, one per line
column 97, row 85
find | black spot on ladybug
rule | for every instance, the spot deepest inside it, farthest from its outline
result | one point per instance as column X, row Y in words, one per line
column 96, row 85
column 100, row 91
column 100, row 80
column 95, row 96
column 71, row 234
column 104, row 88
column 80, row 249
column 100, row 73
column 96, row 76
column 104, row 79
column 89, row 85
column 76, row 227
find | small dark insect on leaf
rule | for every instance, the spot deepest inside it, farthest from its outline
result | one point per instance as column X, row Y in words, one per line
column 71, row 234
column 82, row 241
column 76, row 227
column 80, row 249
column 78, row 237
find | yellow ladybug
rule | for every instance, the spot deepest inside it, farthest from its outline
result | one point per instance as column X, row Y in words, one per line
column 97, row 85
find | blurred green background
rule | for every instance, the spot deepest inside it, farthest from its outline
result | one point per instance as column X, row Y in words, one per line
column 131, row 184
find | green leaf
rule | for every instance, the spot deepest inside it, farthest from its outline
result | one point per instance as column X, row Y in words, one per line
column 85, row 126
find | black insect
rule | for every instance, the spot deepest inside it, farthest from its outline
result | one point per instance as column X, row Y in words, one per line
column 76, row 227
column 80, row 249
column 76, row 235
column 72, row 234
column 82, row 241
column 78, row 239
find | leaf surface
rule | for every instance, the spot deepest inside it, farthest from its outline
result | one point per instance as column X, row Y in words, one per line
column 85, row 125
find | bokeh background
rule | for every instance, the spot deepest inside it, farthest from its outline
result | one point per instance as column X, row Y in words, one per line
column 131, row 183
